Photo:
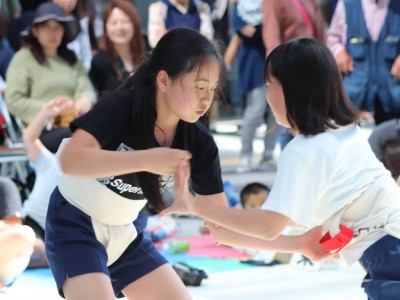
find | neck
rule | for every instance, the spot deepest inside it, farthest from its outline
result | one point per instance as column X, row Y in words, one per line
column 49, row 51
column 166, row 123
column 184, row 4
column 123, row 51
column 164, row 137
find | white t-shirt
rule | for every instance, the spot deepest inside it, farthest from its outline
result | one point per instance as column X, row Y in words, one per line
column 319, row 175
column 47, row 175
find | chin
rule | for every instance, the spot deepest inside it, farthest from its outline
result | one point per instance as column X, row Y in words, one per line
column 191, row 120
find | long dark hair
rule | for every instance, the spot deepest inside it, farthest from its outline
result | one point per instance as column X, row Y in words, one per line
column 180, row 51
column 38, row 53
column 312, row 86
column 137, row 48
column 87, row 8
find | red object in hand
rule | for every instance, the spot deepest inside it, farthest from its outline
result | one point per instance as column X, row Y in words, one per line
column 339, row 241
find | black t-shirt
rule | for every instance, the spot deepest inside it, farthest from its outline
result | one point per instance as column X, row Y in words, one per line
column 102, row 73
column 110, row 122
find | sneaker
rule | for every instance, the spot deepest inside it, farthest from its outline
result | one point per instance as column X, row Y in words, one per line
column 268, row 165
column 244, row 165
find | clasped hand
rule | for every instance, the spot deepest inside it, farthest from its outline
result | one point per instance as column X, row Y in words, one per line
column 184, row 201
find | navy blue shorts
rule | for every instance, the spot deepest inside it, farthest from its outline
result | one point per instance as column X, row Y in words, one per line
column 382, row 263
column 72, row 249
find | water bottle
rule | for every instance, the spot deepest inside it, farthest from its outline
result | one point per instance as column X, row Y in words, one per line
column 175, row 247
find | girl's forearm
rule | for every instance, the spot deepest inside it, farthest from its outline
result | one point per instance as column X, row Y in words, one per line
column 35, row 128
column 260, row 224
column 288, row 244
column 112, row 163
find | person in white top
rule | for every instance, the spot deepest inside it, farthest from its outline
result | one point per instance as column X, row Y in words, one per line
column 327, row 177
column 167, row 14
column 47, row 171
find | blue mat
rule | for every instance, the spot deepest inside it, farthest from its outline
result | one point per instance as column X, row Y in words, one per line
column 40, row 282
column 210, row 265
column 39, row 278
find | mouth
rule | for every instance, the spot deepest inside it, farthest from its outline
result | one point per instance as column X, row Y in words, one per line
column 201, row 112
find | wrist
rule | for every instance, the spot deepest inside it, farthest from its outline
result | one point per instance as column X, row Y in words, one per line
column 297, row 245
column 196, row 207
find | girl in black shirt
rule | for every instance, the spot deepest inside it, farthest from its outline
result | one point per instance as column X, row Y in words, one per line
column 122, row 154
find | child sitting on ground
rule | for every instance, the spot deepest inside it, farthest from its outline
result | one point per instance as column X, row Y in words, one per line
column 253, row 195
column 391, row 156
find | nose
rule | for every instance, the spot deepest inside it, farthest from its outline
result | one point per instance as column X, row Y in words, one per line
column 206, row 102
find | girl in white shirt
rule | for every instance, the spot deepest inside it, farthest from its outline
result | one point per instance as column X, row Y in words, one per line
column 327, row 176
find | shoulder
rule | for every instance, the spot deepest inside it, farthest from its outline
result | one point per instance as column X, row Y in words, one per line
column 22, row 61
column 23, row 55
column 115, row 101
column 112, row 112
column 201, row 130
column 101, row 56
column 332, row 144
column 200, row 137
column 101, row 59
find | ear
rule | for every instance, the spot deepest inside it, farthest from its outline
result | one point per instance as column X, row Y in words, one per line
column 162, row 80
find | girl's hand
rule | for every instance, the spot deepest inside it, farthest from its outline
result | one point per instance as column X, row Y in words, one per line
column 183, row 202
column 56, row 106
column 309, row 245
column 82, row 106
column 166, row 161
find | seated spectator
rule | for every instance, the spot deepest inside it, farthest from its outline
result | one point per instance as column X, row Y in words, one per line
column 47, row 172
column 124, row 47
column 167, row 14
column 382, row 132
column 253, row 195
column 86, row 41
column 385, row 143
column 47, row 70
column 391, row 157
column 16, row 240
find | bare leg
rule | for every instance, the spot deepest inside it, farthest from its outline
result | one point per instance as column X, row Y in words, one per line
column 15, row 257
column 169, row 286
column 93, row 286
